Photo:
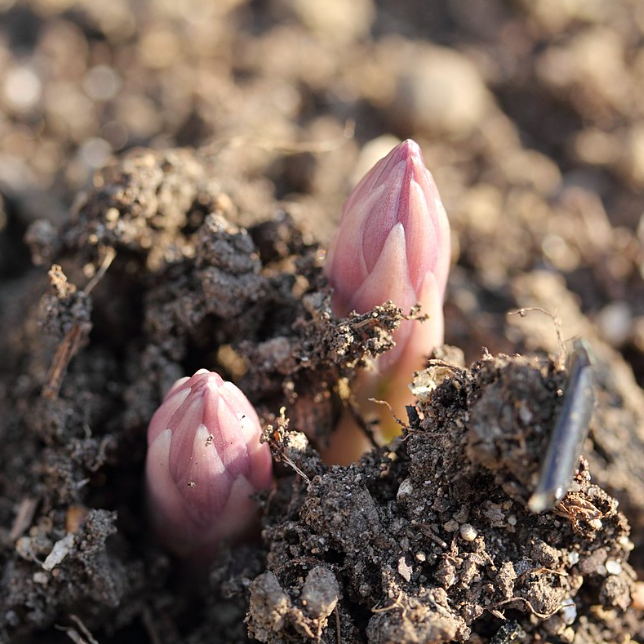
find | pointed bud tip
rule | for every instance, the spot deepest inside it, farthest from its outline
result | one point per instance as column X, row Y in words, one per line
column 411, row 148
column 405, row 151
column 363, row 268
column 204, row 379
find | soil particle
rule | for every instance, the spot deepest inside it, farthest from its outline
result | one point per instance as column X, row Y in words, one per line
column 440, row 92
column 273, row 613
column 67, row 564
column 270, row 606
column 425, row 539
column 66, row 308
column 535, row 141
column 434, row 542
column 140, row 203
column 504, row 437
column 415, row 619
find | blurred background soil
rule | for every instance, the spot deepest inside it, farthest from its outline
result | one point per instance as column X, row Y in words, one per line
column 530, row 115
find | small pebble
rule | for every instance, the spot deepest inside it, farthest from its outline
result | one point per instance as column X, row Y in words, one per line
column 637, row 595
column 22, row 88
column 102, row 83
column 60, row 550
column 468, row 532
column 24, row 547
column 614, row 321
column 336, row 20
column 439, row 91
column 404, row 570
column 404, row 489
column 568, row 611
column 41, row 578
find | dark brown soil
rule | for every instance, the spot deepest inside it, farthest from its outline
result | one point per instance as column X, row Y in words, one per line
column 204, row 247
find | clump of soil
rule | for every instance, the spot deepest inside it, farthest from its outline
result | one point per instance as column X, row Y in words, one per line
column 529, row 116
column 430, row 536
column 425, row 539
column 248, row 302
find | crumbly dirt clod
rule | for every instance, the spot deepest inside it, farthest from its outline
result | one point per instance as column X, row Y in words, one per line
column 231, row 133
column 272, row 614
column 427, row 539
column 432, row 538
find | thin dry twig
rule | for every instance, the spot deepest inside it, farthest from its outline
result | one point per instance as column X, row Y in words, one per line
column 430, row 534
column 523, row 312
column 83, row 629
column 64, row 354
column 528, row 604
column 110, row 254
column 24, row 517
column 384, row 402
column 74, row 635
column 274, row 438
column 150, row 626
column 397, row 603
column 338, row 633
column 70, row 343
column 284, row 147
